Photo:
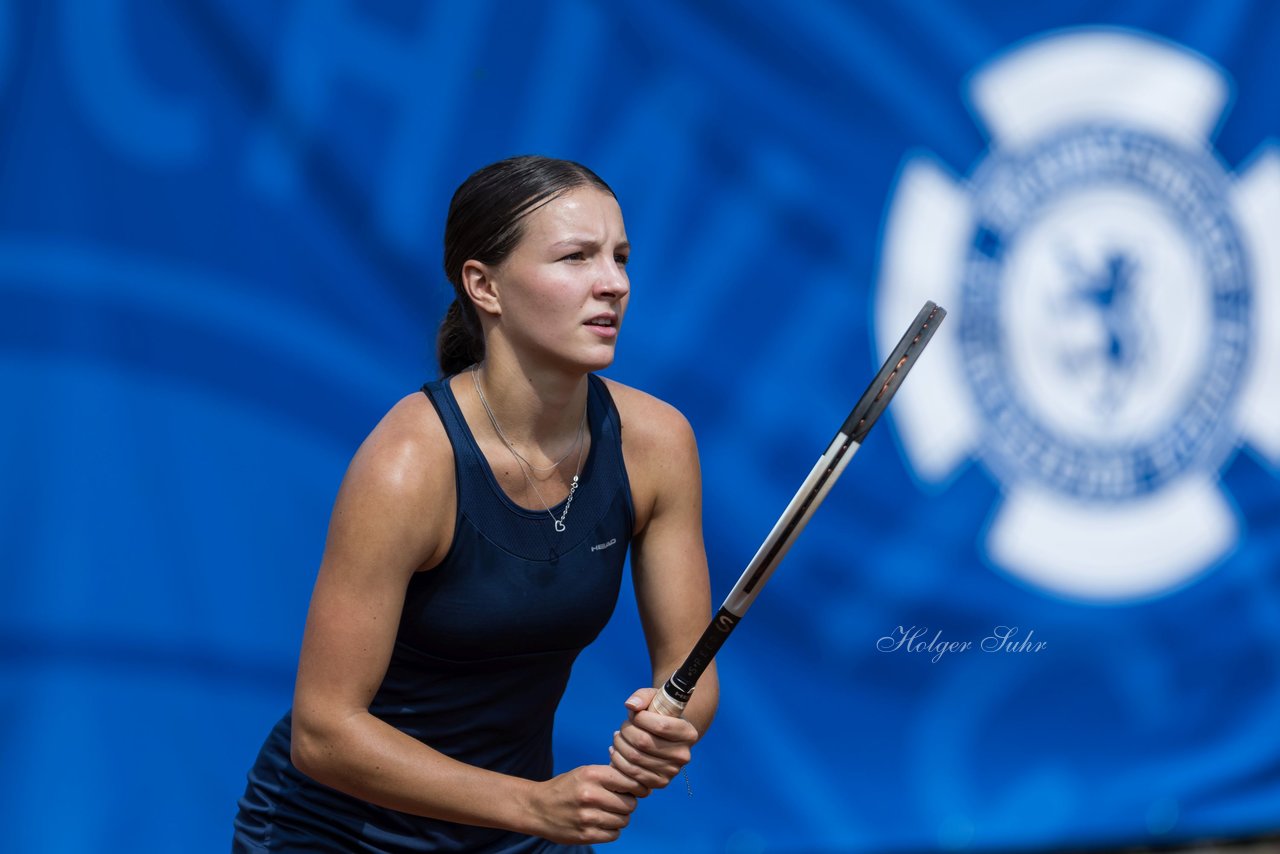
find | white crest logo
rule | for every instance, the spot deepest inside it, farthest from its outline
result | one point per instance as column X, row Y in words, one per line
column 1108, row 281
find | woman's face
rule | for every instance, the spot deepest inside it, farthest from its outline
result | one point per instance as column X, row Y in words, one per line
column 563, row 290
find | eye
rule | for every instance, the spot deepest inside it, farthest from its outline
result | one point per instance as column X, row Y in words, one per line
column 574, row 256
column 622, row 258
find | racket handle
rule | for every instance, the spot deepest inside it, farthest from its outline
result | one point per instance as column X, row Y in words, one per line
column 664, row 704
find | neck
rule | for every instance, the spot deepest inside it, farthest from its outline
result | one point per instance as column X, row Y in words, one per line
column 540, row 410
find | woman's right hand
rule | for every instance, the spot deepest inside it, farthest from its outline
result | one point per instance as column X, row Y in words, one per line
column 584, row 806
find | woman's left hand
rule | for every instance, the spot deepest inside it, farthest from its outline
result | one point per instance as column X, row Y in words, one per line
column 651, row 748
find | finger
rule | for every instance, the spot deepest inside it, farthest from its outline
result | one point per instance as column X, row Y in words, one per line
column 604, row 800
column 640, row 738
column 632, row 779
column 640, row 750
column 651, row 771
column 617, row 780
column 613, row 800
column 636, row 788
column 596, row 836
column 642, row 776
column 602, row 819
column 658, row 763
column 615, row 803
column 640, row 699
column 675, row 730
column 659, row 749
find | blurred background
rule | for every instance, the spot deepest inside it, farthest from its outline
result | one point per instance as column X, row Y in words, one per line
column 1040, row 612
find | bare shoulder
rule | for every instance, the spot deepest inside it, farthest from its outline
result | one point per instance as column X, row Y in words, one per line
column 398, row 489
column 408, row 450
column 650, row 424
column 660, row 454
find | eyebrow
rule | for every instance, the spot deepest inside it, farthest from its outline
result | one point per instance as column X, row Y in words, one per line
column 585, row 241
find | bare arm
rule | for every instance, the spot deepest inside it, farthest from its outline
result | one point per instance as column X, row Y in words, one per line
column 393, row 517
column 669, row 567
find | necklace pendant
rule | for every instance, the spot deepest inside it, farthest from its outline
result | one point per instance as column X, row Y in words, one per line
column 559, row 526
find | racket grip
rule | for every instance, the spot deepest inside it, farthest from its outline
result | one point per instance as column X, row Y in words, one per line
column 664, row 704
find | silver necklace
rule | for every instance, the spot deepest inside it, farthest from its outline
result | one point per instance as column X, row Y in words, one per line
column 522, row 462
column 503, row 436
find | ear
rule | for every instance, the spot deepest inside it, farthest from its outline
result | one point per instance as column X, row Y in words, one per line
column 479, row 283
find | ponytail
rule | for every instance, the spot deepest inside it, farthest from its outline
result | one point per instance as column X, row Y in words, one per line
column 459, row 344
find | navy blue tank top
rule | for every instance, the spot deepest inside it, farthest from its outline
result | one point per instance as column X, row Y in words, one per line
column 485, row 645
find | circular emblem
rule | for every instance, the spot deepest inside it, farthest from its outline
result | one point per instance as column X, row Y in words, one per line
column 1105, row 323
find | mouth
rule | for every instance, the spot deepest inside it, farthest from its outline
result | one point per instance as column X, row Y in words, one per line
column 605, row 325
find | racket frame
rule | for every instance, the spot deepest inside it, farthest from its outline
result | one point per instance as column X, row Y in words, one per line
column 674, row 695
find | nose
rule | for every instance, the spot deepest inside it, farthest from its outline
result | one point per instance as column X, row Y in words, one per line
column 612, row 282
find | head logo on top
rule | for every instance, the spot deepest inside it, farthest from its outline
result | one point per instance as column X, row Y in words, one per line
column 1109, row 280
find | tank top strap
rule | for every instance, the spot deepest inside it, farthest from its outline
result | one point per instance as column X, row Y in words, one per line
column 469, row 463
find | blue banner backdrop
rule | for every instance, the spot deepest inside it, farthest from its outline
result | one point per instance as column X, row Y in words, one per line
column 219, row 265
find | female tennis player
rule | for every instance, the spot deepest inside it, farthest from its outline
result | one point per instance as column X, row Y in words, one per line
column 477, row 545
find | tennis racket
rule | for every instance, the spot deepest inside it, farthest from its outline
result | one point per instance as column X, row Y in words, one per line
column 675, row 694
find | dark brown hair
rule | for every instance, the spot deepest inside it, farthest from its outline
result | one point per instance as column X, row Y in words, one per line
column 485, row 223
